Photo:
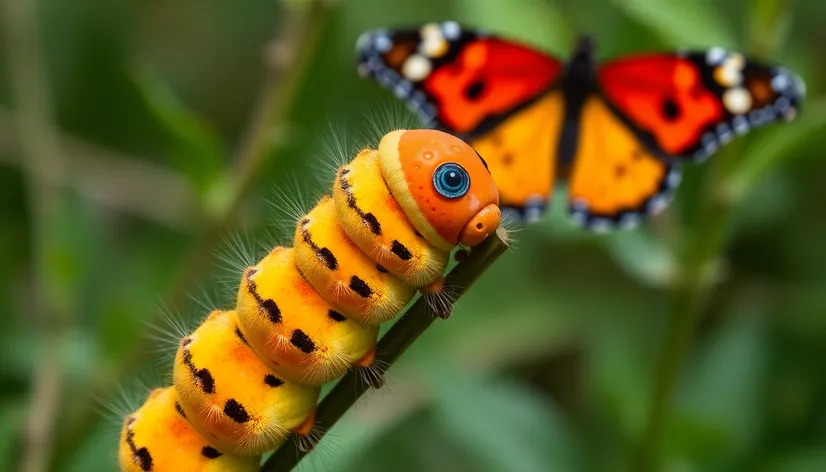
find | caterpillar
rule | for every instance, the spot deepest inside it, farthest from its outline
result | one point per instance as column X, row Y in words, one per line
column 248, row 377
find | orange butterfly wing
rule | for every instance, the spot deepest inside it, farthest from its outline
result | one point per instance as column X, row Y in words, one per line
column 654, row 108
column 521, row 155
column 614, row 178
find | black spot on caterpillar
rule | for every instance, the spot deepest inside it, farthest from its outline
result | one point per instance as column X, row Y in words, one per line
column 141, row 455
column 268, row 305
column 360, row 287
column 236, row 411
column 323, row 253
column 273, row 381
column 241, row 336
column 210, row 452
column 273, row 312
column 303, row 342
column 401, row 251
column 368, row 218
column 202, row 377
column 336, row 315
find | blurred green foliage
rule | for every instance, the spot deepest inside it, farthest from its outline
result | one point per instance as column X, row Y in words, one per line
column 547, row 363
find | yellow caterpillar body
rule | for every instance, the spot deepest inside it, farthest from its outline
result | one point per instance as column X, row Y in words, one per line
column 247, row 378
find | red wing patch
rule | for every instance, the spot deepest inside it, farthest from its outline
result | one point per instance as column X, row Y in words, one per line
column 690, row 103
column 490, row 77
column 461, row 80
column 663, row 96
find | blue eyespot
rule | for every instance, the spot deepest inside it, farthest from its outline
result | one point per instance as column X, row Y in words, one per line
column 451, row 180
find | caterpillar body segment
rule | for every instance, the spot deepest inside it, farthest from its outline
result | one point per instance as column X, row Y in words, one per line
column 158, row 437
column 230, row 395
column 247, row 378
column 360, row 288
column 373, row 220
column 292, row 328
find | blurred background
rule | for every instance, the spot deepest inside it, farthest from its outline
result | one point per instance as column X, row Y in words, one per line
column 139, row 139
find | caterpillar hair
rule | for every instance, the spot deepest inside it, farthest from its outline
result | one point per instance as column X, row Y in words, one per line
column 248, row 377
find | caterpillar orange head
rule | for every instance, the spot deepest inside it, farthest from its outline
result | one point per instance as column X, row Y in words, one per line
column 442, row 185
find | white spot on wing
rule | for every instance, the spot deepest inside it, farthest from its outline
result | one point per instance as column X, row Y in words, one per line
column 780, row 82
column 674, row 178
column 403, row 89
column 383, row 43
column 728, row 76
column 629, row 220
column 740, row 124
column 657, row 204
column 735, row 60
column 737, row 100
column 430, row 30
column 715, row 55
column 416, row 68
column 451, row 30
column 724, row 133
column 434, row 47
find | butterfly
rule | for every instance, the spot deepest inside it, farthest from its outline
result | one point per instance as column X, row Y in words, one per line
column 616, row 132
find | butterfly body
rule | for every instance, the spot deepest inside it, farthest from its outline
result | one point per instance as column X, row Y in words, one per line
column 615, row 133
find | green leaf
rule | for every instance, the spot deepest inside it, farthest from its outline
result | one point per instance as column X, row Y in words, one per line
column 643, row 256
column 194, row 147
column 504, row 425
column 717, row 411
column 618, row 375
column 803, row 460
column 682, row 23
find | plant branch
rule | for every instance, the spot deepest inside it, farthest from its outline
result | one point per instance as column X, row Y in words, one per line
column 111, row 179
column 391, row 346
column 698, row 268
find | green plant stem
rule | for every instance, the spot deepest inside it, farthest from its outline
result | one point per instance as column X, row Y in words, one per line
column 698, row 271
column 391, row 346
column 299, row 35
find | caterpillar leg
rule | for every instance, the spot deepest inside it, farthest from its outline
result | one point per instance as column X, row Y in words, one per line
column 306, row 427
column 370, row 371
column 307, row 434
column 438, row 298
